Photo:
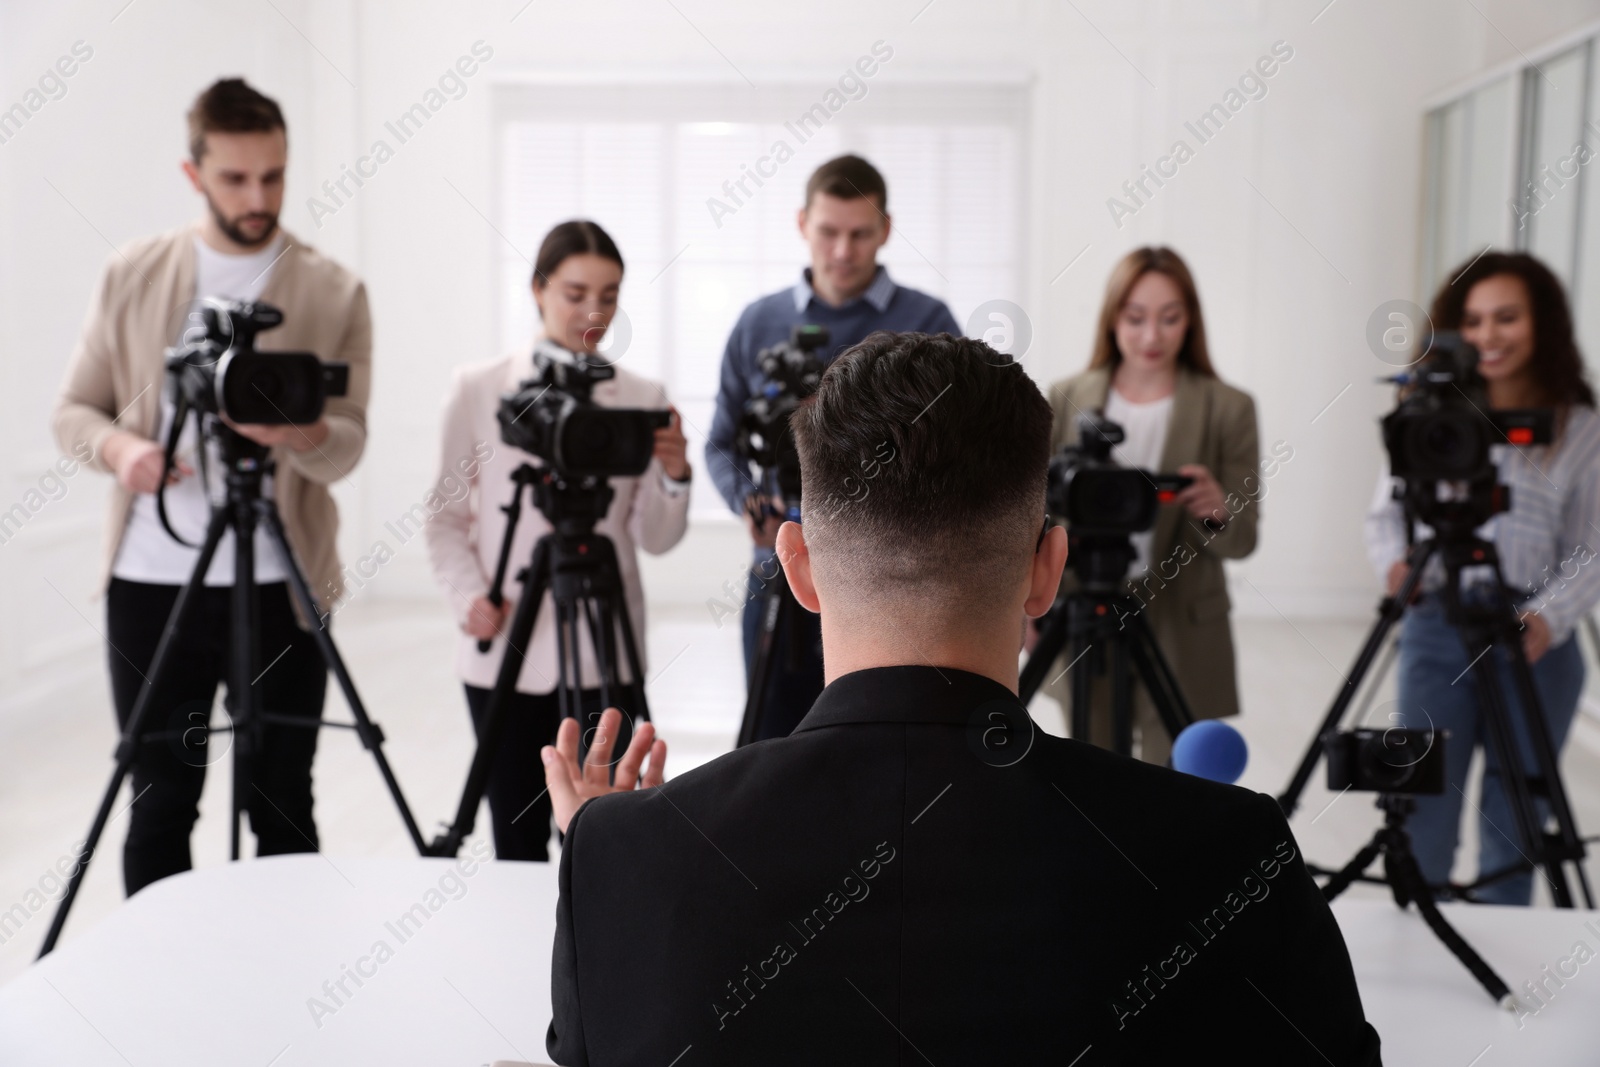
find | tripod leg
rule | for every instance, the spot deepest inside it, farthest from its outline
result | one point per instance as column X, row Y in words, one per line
column 369, row 733
column 1404, row 872
column 1514, row 776
column 1568, row 843
column 1389, row 611
column 630, row 649
column 598, row 619
column 534, row 586
column 1052, row 640
column 1121, row 698
column 574, row 682
column 1159, row 681
column 773, row 611
column 128, row 745
column 564, row 649
column 1352, row 870
column 244, row 657
column 1083, row 678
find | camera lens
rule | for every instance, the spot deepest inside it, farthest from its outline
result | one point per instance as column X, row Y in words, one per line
column 1447, row 444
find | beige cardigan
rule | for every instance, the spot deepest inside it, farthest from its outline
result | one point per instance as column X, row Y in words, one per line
column 117, row 373
column 474, row 481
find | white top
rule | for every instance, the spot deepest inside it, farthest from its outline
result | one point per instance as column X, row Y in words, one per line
column 1145, row 438
column 148, row 553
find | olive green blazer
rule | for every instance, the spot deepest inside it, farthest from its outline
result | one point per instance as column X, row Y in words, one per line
column 1185, row 593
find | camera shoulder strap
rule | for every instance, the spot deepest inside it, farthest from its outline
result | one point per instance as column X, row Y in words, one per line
column 180, row 412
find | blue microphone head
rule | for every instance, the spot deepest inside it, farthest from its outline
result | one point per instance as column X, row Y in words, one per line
column 1210, row 749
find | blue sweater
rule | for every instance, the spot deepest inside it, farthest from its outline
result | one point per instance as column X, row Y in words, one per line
column 883, row 306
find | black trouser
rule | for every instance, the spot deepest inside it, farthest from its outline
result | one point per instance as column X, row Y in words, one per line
column 169, row 769
column 519, row 805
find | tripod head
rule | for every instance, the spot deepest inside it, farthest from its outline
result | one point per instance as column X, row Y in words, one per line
column 572, row 505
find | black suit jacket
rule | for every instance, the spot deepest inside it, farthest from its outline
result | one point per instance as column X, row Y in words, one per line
column 918, row 875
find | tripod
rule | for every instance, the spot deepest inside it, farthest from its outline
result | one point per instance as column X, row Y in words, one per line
column 779, row 612
column 1405, row 880
column 578, row 568
column 1108, row 626
column 779, row 609
column 247, row 464
column 1481, row 628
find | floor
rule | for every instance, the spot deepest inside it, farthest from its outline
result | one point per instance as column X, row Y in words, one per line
column 55, row 752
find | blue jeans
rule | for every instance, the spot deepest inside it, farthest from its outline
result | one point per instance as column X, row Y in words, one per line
column 1437, row 689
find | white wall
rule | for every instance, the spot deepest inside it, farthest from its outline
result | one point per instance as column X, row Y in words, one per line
column 1299, row 218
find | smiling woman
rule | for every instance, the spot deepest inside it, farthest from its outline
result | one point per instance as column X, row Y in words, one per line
column 1512, row 309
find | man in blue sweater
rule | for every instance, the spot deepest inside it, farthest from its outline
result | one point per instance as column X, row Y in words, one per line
column 845, row 220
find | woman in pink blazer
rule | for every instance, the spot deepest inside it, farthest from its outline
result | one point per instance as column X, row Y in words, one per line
column 576, row 279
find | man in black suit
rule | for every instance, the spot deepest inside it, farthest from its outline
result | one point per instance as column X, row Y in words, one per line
column 917, row 874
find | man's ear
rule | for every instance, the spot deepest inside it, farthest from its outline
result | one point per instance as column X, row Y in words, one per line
column 1044, row 578
column 191, row 169
column 796, row 560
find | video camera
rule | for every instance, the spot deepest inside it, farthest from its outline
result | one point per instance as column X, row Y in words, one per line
column 1103, row 502
column 1441, row 432
column 793, row 371
column 554, row 417
column 221, row 373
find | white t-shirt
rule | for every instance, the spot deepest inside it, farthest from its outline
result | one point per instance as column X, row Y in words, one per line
column 1144, row 427
column 148, row 553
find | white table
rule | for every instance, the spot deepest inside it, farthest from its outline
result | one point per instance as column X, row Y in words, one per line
column 218, row 966
column 1430, row 1010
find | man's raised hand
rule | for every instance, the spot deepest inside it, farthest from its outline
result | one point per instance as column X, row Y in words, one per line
column 570, row 785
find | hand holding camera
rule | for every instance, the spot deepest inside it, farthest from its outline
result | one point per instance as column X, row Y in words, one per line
column 1202, row 498
column 672, row 448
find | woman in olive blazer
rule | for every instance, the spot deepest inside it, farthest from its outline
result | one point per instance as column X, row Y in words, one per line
column 1150, row 346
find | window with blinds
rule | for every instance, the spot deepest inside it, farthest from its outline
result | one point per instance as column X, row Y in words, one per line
column 659, row 168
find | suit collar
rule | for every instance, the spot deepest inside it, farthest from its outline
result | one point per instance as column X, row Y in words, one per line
column 906, row 694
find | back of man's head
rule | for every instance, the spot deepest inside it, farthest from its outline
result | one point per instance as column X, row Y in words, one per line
column 923, row 459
